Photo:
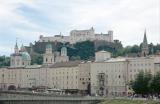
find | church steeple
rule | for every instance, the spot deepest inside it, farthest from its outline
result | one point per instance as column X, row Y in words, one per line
column 145, row 50
column 16, row 50
column 145, row 38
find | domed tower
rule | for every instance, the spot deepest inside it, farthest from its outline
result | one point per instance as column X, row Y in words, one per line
column 26, row 59
column 144, row 49
column 20, row 58
column 63, row 51
column 48, row 57
column 63, row 57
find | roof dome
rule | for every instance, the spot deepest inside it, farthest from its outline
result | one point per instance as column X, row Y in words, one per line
column 25, row 56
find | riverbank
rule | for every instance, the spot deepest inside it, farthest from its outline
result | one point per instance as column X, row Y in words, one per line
column 122, row 101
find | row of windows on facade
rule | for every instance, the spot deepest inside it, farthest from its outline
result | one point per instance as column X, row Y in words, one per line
column 64, row 77
column 138, row 70
column 14, row 75
column 64, row 72
column 71, row 82
column 84, row 79
column 18, row 63
column 47, row 59
column 110, row 71
column 118, row 70
column 142, row 64
column 111, row 64
column 110, row 68
column 115, row 76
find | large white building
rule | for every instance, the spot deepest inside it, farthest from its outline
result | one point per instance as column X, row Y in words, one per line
column 79, row 36
column 111, row 77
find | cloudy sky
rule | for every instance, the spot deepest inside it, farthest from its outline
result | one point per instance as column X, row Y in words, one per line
column 27, row 19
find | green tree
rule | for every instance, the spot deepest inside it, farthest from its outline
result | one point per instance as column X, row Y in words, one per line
column 37, row 59
column 142, row 84
column 137, row 84
column 135, row 49
column 156, row 84
column 4, row 61
column 84, row 49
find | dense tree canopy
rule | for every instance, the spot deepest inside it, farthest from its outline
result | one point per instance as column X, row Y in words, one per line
column 37, row 59
column 146, row 84
column 4, row 61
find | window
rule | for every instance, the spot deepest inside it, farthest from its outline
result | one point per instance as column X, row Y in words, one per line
column 119, row 76
column 46, row 59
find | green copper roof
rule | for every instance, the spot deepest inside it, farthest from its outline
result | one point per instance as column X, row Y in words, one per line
column 48, row 46
column 25, row 56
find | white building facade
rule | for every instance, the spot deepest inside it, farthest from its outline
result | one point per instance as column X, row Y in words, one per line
column 112, row 77
column 79, row 36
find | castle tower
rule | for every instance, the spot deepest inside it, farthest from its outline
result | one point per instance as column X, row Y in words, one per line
column 16, row 50
column 48, row 57
column 144, row 49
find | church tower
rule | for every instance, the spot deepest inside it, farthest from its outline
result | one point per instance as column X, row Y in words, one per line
column 20, row 58
column 16, row 50
column 48, row 57
column 144, row 48
column 63, row 56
